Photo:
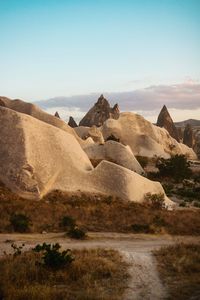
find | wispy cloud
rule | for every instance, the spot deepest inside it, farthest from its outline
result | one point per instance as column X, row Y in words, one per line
column 178, row 96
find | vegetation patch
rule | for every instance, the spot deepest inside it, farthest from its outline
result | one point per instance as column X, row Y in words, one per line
column 179, row 267
column 177, row 167
column 58, row 210
column 93, row 275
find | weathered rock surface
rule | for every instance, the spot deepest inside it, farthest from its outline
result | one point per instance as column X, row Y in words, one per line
column 165, row 121
column 90, row 132
column 36, row 158
column 188, row 138
column 197, row 143
column 72, row 122
column 36, row 112
column 144, row 138
column 99, row 113
column 114, row 152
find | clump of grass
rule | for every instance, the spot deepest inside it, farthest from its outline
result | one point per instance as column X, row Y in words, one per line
column 94, row 274
column 179, row 267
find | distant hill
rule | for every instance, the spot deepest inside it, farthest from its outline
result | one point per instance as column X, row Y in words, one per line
column 192, row 122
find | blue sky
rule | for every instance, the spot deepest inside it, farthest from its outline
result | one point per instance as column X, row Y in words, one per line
column 55, row 48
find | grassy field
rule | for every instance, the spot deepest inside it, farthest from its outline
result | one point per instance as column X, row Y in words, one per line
column 94, row 275
column 179, row 268
column 96, row 213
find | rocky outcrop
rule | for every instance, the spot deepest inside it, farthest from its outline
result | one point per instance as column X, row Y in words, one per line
column 165, row 121
column 57, row 115
column 197, row 143
column 34, row 111
column 90, row 132
column 72, row 122
column 36, row 158
column 144, row 138
column 188, row 138
column 114, row 152
column 99, row 113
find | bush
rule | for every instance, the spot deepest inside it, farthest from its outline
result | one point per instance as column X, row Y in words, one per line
column 67, row 222
column 52, row 257
column 143, row 161
column 155, row 201
column 17, row 249
column 159, row 221
column 76, row 233
column 168, row 187
column 141, row 228
column 196, row 204
column 20, row 222
column 176, row 167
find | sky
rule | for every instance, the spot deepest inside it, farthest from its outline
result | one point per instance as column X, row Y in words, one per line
column 148, row 49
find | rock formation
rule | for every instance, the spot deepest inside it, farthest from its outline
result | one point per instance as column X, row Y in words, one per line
column 99, row 113
column 197, row 143
column 144, row 138
column 90, row 132
column 57, row 115
column 72, row 122
column 165, row 120
column 36, row 158
column 36, row 112
column 114, row 152
column 188, row 138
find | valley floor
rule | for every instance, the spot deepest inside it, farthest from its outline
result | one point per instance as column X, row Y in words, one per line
column 137, row 249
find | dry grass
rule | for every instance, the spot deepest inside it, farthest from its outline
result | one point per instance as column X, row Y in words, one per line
column 94, row 274
column 179, row 267
column 95, row 213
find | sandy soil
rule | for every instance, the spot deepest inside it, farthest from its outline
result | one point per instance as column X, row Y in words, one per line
column 144, row 282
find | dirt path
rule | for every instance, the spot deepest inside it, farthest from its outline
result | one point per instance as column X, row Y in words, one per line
column 137, row 249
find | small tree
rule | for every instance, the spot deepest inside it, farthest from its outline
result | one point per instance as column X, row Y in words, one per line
column 52, row 257
column 177, row 167
column 67, row 222
column 20, row 222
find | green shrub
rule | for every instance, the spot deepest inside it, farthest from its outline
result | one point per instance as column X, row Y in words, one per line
column 67, row 222
column 20, row 222
column 76, row 233
column 176, row 167
column 155, row 201
column 143, row 161
column 52, row 257
column 141, row 228
column 168, row 187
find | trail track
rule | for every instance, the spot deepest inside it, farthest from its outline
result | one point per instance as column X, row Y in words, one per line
column 144, row 281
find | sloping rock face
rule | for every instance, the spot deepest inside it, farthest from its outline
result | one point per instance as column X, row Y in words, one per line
column 99, row 113
column 197, row 144
column 188, row 138
column 36, row 158
column 90, row 132
column 144, row 138
column 165, row 121
column 72, row 122
column 36, row 112
column 114, row 152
